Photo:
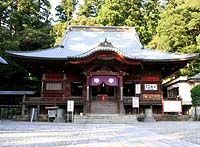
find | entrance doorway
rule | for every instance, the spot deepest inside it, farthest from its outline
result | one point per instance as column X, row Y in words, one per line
column 103, row 88
column 104, row 92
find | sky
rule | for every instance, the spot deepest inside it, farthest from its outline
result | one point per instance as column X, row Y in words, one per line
column 54, row 3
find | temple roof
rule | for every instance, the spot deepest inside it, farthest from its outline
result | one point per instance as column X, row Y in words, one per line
column 3, row 61
column 82, row 41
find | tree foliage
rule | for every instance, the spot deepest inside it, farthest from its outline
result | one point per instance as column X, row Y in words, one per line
column 66, row 10
column 90, row 8
column 179, row 31
column 142, row 14
column 24, row 25
column 195, row 94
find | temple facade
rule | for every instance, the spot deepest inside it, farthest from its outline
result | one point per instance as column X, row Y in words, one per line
column 102, row 68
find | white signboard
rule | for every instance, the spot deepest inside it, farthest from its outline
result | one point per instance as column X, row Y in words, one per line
column 172, row 106
column 150, row 87
column 137, row 88
column 70, row 106
column 135, row 102
column 52, row 113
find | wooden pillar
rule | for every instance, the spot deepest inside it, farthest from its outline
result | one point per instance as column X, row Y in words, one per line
column 42, row 85
column 88, row 94
column 121, row 105
column 64, row 86
column 23, row 105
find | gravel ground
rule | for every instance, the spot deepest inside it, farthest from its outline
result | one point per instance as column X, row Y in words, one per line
column 148, row 134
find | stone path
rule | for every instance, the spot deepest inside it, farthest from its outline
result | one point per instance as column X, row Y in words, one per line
column 25, row 134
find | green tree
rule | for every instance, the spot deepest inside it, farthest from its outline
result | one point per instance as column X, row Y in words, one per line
column 90, row 8
column 151, row 15
column 143, row 15
column 66, row 10
column 24, row 25
column 58, row 31
column 87, row 13
column 195, row 94
column 178, row 31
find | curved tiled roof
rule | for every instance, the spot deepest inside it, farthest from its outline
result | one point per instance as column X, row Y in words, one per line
column 82, row 41
column 3, row 61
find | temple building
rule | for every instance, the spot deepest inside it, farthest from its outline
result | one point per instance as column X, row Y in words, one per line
column 179, row 88
column 102, row 69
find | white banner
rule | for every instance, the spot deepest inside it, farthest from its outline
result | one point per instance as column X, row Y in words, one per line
column 70, row 106
column 137, row 88
column 172, row 106
column 135, row 102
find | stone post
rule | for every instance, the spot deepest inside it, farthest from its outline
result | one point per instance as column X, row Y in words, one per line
column 23, row 105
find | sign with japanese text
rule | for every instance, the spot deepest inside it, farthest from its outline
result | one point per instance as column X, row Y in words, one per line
column 150, row 87
column 135, row 102
column 70, row 106
column 137, row 88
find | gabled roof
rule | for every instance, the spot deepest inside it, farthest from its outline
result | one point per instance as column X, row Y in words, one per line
column 3, row 61
column 183, row 79
column 82, row 41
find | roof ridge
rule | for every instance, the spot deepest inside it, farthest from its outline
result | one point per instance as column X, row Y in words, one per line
column 103, row 46
column 100, row 27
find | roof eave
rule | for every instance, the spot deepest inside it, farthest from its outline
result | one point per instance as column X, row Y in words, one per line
column 171, row 60
column 12, row 54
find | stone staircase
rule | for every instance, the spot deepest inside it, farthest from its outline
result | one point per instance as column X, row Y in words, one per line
column 105, row 119
column 104, row 107
column 104, row 112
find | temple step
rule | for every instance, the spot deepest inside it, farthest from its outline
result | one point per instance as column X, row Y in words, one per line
column 105, row 119
column 104, row 107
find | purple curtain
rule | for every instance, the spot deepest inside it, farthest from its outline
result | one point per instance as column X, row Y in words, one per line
column 108, row 80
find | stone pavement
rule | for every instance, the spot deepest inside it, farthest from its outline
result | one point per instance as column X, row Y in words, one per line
column 26, row 134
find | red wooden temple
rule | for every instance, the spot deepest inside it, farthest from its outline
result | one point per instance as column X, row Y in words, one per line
column 100, row 64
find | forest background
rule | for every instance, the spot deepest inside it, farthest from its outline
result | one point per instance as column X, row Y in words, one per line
column 26, row 25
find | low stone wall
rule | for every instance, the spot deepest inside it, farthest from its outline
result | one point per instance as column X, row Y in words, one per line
column 167, row 117
column 21, row 118
column 42, row 118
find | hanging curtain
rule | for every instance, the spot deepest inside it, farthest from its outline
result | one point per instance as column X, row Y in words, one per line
column 108, row 80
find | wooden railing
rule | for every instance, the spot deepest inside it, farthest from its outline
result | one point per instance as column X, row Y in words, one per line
column 145, row 98
column 55, row 100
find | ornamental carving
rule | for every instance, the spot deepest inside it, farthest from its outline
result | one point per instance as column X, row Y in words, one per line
column 151, row 97
column 106, row 44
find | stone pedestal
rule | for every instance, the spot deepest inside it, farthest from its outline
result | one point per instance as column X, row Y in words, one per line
column 149, row 115
column 60, row 116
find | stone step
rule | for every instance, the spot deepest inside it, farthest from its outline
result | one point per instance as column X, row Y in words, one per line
column 105, row 107
column 105, row 118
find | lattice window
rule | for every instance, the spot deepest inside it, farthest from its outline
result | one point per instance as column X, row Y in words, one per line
column 54, row 86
